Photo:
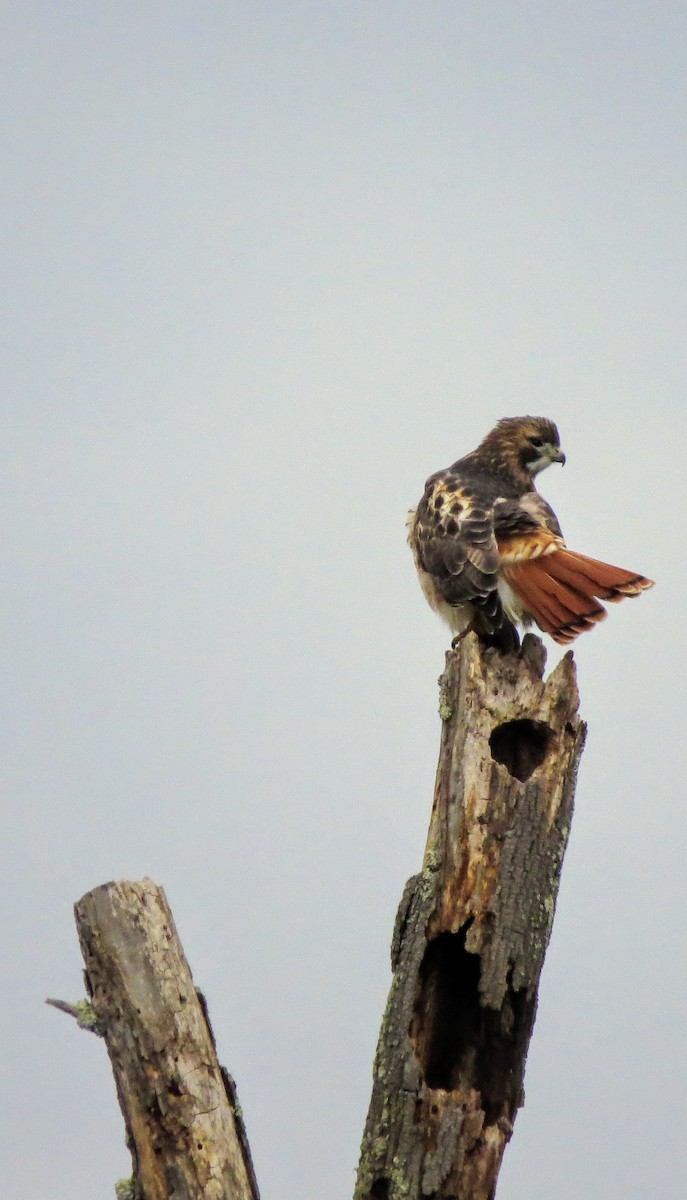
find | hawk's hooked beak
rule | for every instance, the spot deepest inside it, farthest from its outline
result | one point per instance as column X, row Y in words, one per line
column 557, row 455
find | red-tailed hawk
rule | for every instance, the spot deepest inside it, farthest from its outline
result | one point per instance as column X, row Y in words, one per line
column 489, row 550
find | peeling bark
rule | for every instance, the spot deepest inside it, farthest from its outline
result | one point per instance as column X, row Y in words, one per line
column 472, row 929
column 183, row 1123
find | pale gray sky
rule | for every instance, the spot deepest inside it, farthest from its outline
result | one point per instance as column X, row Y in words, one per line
column 266, row 267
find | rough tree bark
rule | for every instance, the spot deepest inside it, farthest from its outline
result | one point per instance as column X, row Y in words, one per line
column 472, row 929
column 184, row 1127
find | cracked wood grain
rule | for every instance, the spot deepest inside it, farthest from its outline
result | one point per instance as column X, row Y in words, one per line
column 472, row 929
column 183, row 1123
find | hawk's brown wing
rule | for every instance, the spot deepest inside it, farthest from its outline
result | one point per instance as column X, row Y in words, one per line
column 461, row 532
column 454, row 540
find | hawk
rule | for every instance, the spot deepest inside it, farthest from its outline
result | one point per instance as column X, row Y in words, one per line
column 489, row 550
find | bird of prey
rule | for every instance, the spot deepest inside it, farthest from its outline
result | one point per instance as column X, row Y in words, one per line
column 489, row 550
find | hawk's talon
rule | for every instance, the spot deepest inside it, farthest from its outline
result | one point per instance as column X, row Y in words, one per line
column 455, row 642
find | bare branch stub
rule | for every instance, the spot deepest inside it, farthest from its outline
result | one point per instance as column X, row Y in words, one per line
column 472, row 929
column 183, row 1124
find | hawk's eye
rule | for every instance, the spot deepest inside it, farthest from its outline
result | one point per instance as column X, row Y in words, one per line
column 536, row 442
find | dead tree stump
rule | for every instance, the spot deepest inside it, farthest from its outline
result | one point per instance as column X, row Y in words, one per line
column 472, row 929
column 183, row 1123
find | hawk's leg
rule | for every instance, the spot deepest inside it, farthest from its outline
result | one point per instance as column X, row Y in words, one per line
column 506, row 638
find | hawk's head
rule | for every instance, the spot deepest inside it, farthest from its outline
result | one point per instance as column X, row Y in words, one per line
column 525, row 445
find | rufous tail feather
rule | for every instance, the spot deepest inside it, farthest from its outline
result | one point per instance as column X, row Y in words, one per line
column 562, row 590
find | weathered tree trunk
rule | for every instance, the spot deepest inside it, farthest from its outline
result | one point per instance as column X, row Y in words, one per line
column 184, row 1127
column 472, row 929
